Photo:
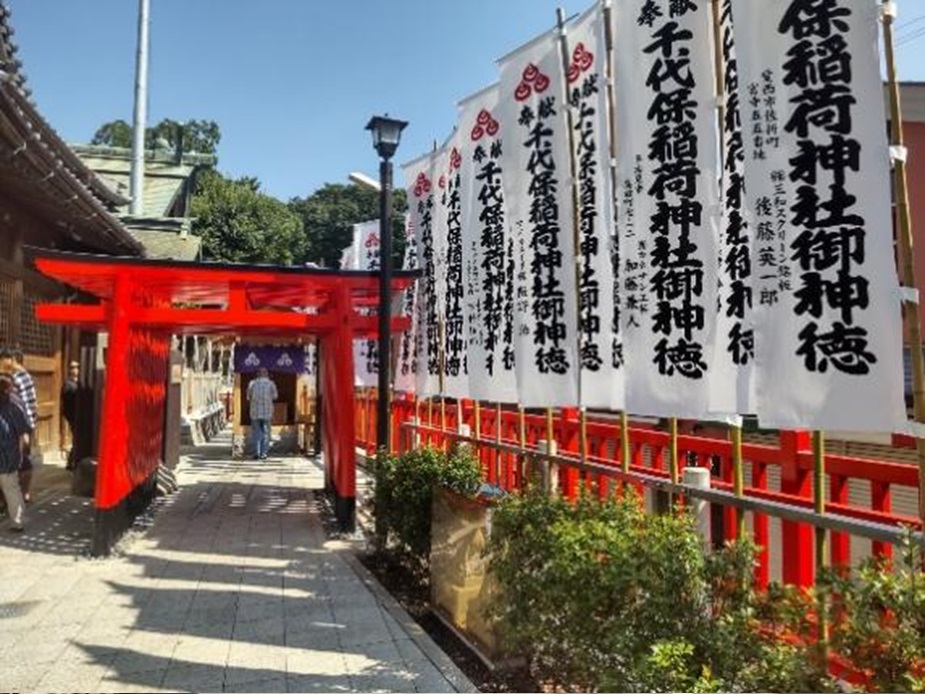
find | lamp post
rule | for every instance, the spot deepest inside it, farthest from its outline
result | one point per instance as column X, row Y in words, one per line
column 386, row 135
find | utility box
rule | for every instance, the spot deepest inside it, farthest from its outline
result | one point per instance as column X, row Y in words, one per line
column 461, row 587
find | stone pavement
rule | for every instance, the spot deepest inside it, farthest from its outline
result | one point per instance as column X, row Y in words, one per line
column 233, row 587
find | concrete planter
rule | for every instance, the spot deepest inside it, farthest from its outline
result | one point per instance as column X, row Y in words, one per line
column 461, row 587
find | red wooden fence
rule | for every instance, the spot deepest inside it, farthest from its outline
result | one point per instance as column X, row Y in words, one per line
column 791, row 460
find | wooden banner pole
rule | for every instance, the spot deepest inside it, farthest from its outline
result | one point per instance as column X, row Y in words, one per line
column 673, row 454
column 612, row 120
column 903, row 224
column 720, row 70
column 576, row 230
column 822, row 627
column 441, row 331
column 738, row 479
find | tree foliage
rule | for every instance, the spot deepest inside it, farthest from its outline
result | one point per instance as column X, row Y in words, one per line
column 328, row 216
column 199, row 136
column 238, row 223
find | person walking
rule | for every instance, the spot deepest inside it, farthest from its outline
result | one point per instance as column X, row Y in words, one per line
column 24, row 394
column 261, row 392
column 69, row 407
column 14, row 429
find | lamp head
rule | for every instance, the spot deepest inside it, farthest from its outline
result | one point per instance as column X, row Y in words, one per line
column 386, row 134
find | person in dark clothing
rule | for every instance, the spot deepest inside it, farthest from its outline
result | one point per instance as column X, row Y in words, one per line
column 12, row 362
column 69, row 406
column 13, row 432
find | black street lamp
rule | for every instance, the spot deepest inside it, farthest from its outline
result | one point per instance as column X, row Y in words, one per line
column 386, row 135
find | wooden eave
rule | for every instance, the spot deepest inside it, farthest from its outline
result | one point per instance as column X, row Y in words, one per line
column 59, row 193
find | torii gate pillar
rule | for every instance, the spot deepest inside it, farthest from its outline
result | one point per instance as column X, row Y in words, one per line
column 337, row 415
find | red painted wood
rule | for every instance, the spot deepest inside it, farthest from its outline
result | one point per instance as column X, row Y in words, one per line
column 796, row 538
column 760, row 527
column 112, row 482
column 881, row 500
column 840, row 542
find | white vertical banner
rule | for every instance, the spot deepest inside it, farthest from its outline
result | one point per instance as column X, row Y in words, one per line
column 538, row 194
column 734, row 355
column 827, row 310
column 364, row 255
column 600, row 344
column 487, row 252
column 668, row 202
column 407, row 364
column 422, row 194
column 455, row 367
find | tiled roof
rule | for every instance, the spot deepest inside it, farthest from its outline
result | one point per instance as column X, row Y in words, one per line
column 164, row 174
column 9, row 63
column 168, row 245
column 38, row 166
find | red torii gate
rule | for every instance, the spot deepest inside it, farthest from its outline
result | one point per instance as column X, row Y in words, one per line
column 142, row 303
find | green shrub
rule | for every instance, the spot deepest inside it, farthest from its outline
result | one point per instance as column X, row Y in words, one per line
column 404, row 496
column 877, row 618
column 602, row 596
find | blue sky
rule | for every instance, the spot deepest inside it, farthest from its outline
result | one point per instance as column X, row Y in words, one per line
column 292, row 83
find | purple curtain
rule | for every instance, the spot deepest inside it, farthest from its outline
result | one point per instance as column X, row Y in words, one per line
column 291, row 359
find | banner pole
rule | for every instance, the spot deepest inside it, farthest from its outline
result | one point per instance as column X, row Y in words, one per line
column 720, row 68
column 442, row 361
column 822, row 627
column 498, row 435
column 522, row 442
column 624, row 444
column 738, row 480
column 903, row 222
column 576, row 233
column 673, row 454
column 615, row 255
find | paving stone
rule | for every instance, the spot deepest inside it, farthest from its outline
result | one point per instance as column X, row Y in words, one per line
column 234, row 587
column 237, row 675
column 314, row 683
column 194, row 678
column 377, row 681
column 277, row 684
column 327, row 662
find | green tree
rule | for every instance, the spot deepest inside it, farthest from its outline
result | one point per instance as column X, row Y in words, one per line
column 238, row 223
column 200, row 136
column 328, row 216
column 116, row 133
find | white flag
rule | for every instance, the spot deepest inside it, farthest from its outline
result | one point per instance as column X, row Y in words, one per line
column 455, row 367
column 487, row 252
column 732, row 380
column 407, row 363
column 828, row 333
column 668, row 202
column 421, row 192
column 600, row 345
column 537, row 191
column 365, row 255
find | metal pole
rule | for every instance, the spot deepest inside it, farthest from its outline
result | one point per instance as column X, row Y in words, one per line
column 906, row 245
column 141, row 111
column 385, row 305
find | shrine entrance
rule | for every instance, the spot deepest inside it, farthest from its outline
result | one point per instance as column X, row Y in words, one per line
column 142, row 304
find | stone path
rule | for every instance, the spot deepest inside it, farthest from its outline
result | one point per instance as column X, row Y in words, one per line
column 234, row 587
